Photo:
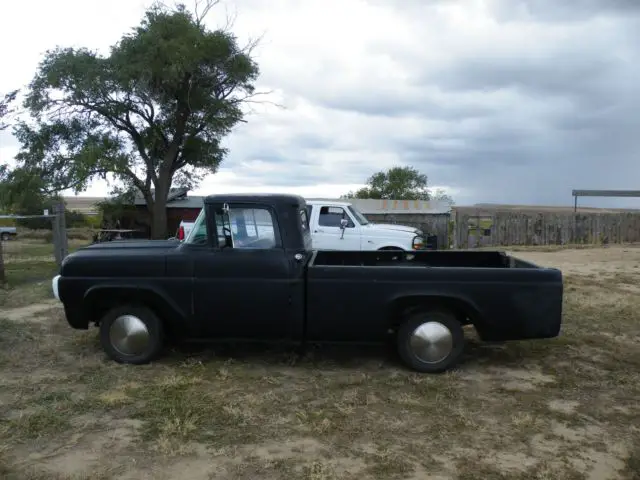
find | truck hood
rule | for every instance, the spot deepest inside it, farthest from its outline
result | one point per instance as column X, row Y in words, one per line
column 144, row 244
column 397, row 228
column 121, row 258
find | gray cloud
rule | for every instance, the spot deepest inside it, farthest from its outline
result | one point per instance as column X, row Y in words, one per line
column 510, row 101
column 521, row 123
column 7, row 139
column 558, row 11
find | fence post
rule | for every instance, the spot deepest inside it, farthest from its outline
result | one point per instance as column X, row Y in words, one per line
column 60, row 245
column 3, row 278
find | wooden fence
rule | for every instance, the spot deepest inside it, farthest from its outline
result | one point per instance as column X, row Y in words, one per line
column 543, row 228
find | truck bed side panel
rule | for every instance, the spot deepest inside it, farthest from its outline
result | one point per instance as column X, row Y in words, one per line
column 351, row 303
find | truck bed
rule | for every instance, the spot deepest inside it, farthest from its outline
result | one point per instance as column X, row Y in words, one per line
column 453, row 258
column 355, row 293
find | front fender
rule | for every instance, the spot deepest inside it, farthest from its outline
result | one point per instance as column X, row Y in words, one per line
column 149, row 295
column 394, row 244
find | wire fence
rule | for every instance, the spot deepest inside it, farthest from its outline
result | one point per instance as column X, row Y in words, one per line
column 34, row 246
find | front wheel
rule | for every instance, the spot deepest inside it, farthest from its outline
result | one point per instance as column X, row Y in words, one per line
column 430, row 340
column 5, row 237
column 131, row 334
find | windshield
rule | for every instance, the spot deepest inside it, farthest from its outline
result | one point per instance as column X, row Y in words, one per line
column 362, row 220
column 198, row 233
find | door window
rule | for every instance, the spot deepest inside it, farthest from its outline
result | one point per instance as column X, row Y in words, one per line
column 246, row 228
column 331, row 217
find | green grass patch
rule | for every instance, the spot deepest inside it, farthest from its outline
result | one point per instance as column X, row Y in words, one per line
column 23, row 273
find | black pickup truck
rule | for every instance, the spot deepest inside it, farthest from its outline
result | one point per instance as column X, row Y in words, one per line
column 247, row 271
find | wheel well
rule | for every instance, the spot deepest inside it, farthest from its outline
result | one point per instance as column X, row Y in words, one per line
column 100, row 302
column 464, row 312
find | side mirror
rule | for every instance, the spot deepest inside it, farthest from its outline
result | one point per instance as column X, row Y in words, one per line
column 343, row 226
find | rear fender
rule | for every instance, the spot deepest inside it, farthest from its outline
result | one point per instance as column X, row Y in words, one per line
column 464, row 308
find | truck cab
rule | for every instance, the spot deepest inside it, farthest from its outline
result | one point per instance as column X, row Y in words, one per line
column 337, row 225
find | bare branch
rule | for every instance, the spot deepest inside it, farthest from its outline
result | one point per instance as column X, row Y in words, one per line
column 230, row 21
column 72, row 185
column 248, row 99
column 208, row 5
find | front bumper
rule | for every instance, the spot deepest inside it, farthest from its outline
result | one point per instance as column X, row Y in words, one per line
column 54, row 287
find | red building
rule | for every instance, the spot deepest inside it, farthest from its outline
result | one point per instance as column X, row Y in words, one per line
column 180, row 206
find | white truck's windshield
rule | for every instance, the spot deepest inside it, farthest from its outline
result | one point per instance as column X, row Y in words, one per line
column 362, row 220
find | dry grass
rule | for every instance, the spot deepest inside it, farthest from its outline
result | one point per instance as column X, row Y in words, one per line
column 560, row 409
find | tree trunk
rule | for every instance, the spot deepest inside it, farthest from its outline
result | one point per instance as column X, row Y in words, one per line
column 158, row 209
column 159, row 219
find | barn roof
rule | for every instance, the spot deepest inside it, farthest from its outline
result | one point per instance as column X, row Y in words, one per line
column 177, row 198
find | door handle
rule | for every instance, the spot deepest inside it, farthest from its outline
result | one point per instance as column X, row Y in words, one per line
column 318, row 231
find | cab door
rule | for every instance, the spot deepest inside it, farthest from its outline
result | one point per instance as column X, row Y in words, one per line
column 242, row 285
column 327, row 233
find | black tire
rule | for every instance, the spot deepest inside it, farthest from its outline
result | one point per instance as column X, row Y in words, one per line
column 154, row 339
column 417, row 317
column 5, row 237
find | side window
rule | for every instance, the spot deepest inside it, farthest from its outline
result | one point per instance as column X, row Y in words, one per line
column 250, row 228
column 331, row 217
column 304, row 219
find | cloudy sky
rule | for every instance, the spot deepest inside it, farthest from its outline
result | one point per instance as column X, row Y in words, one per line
column 510, row 101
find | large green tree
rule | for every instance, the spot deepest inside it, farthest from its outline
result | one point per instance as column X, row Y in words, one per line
column 399, row 183
column 6, row 109
column 20, row 192
column 150, row 115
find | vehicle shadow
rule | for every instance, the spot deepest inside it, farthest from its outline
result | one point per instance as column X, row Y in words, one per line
column 477, row 354
column 311, row 356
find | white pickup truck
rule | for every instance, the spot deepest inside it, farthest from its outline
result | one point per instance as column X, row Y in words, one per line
column 6, row 233
column 184, row 229
column 337, row 225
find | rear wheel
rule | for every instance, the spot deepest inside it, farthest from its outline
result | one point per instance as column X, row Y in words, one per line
column 131, row 334
column 430, row 340
column 5, row 237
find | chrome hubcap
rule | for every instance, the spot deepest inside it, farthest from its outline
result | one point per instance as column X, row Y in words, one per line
column 431, row 342
column 129, row 335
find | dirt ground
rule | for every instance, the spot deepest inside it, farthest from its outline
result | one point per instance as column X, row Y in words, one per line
column 566, row 408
